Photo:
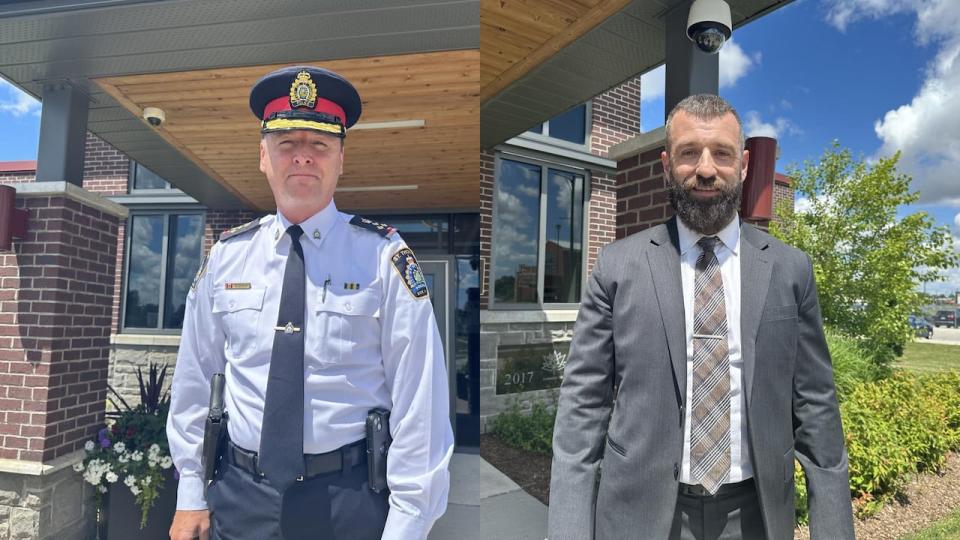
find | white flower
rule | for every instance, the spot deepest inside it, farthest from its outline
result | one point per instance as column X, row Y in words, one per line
column 135, row 490
column 103, row 489
column 146, row 481
column 88, row 446
column 112, row 477
column 129, row 481
column 124, row 458
column 154, row 449
column 119, row 447
column 136, row 456
column 166, row 462
column 78, row 467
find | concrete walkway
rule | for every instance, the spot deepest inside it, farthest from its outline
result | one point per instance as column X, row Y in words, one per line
column 484, row 504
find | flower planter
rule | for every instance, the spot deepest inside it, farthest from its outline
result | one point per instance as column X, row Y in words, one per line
column 120, row 519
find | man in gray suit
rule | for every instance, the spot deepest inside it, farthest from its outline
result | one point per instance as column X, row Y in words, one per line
column 698, row 370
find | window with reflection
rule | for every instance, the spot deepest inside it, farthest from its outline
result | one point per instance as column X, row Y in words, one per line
column 570, row 126
column 142, row 178
column 537, row 234
column 163, row 254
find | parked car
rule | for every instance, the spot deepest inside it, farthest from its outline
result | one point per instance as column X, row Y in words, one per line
column 945, row 317
column 921, row 327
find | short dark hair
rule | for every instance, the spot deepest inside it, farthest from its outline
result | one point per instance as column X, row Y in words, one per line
column 704, row 107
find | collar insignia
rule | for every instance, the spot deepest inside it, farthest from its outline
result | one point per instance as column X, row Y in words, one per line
column 303, row 92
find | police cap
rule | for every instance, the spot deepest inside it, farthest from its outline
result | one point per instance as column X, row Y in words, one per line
column 305, row 97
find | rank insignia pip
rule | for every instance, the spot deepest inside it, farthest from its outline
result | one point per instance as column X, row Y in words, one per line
column 303, row 92
column 385, row 231
column 200, row 272
column 408, row 267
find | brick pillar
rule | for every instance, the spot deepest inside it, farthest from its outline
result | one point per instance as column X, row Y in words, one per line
column 56, row 295
column 642, row 200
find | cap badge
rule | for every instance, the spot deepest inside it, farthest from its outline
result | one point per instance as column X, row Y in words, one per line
column 303, row 92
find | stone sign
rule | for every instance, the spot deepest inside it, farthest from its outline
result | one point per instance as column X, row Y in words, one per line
column 521, row 368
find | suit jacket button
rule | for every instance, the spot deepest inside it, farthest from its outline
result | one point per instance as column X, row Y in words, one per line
column 676, row 471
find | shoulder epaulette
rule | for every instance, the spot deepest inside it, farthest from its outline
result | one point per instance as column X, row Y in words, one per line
column 383, row 230
column 236, row 231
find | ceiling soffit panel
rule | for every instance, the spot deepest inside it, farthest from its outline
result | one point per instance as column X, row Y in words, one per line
column 208, row 120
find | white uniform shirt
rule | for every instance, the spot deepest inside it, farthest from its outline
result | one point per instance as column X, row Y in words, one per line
column 369, row 342
column 728, row 255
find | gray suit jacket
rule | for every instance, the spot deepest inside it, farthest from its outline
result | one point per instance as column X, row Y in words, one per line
column 630, row 333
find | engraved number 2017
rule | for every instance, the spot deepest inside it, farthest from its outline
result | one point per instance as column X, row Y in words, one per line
column 517, row 377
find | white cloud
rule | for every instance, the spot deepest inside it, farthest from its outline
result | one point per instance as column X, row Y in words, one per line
column 754, row 126
column 734, row 64
column 802, row 205
column 16, row 102
column 925, row 130
column 652, row 84
column 956, row 222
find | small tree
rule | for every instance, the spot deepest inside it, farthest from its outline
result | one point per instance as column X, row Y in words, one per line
column 868, row 263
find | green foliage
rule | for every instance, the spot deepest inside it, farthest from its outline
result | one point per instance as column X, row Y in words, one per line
column 132, row 449
column 868, row 263
column 854, row 362
column 531, row 431
column 895, row 427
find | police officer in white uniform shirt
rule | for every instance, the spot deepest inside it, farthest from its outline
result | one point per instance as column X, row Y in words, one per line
column 316, row 315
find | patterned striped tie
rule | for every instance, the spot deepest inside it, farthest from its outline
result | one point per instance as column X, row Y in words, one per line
column 710, row 407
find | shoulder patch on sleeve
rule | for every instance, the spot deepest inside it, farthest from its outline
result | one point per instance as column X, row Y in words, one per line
column 200, row 272
column 383, row 230
column 236, row 231
column 409, row 269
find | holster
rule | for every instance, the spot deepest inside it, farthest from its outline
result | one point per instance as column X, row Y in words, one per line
column 215, row 429
column 378, row 444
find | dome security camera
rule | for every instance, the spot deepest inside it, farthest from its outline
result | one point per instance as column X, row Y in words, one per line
column 708, row 24
column 154, row 116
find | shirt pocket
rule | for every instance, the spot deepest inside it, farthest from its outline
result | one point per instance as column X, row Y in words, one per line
column 240, row 310
column 346, row 327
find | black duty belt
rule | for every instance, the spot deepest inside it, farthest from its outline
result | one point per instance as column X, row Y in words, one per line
column 342, row 458
column 699, row 491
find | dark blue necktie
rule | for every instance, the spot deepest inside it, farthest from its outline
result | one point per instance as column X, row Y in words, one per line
column 281, row 438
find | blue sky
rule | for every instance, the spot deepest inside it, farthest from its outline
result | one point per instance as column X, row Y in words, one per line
column 877, row 75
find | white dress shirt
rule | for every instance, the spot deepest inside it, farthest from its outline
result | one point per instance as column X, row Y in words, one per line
column 728, row 255
column 369, row 342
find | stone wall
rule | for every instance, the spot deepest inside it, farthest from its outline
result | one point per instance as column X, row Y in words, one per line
column 514, row 328
column 54, row 505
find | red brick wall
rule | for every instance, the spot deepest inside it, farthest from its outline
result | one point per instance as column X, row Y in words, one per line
column 616, row 116
column 641, row 195
column 782, row 191
column 602, row 215
column 105, row 168
column 486, row 222
column 56, row 290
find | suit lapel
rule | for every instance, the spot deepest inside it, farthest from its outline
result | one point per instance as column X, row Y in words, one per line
column 664, row 261
column 755, row 269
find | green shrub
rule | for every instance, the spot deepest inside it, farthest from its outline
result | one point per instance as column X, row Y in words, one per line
column 531, row 431
column 854, row 362
column 894, row 427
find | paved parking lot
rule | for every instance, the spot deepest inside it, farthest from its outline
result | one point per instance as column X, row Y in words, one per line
column 945, row 335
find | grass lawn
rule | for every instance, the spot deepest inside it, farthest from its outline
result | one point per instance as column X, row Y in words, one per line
column 930, row 357
column 948, row 528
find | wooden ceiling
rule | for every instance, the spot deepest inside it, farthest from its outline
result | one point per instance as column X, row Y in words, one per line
column 518, row 35
column 209, row 120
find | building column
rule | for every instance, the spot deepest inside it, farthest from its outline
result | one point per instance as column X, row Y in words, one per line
column 56, row 301
column 689, row 70
column 63, row 133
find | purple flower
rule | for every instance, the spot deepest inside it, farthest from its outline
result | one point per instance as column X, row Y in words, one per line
column 103, row 439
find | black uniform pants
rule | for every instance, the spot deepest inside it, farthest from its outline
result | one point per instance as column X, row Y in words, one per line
column 334, row 506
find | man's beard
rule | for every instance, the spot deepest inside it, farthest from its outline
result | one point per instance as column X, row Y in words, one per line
column 705, row 216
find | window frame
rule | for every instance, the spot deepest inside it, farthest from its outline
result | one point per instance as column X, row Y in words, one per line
column 158, row 210
column 547, row 139
column 545, row 165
